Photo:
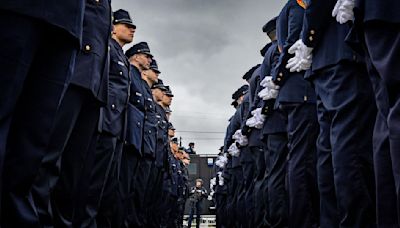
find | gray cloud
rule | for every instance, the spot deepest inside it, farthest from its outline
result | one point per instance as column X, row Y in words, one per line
column 203, row 47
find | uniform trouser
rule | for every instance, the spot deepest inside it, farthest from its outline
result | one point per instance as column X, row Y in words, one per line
column 259, row 205
column 248, row 166
column 195, row 207
column 127, row 168
column 346, row 114
column 383, row 45
column 277, row 193
column 301, row 168
column 77, row 115
column 234, row 203
column 33, row 78
column 140, row 189
column 231, row 197
column 386, row 209
column 167, row 219
column 220, row 199
column 103, row 198
column 69, row 197
column 155, row 188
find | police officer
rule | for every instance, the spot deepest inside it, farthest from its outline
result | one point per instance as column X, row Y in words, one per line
column 234, row 171
column 255, row 150
column 37, row 59
column 104, row 204
column 142, row 80
column 275, row 140
column 197, row 194
column 297, row 99
column 375, row 29
column 140, row 58
column 345, row 112
column 77, row 118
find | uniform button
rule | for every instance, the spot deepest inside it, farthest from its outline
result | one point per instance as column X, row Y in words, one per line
column 138, row 123
column 126, row 142
column 97, row 1
column 311, row 38
column 305, row 98
column 113, row 106
column 312, row 32
column 87, row 47
column 120, row 73
column 149, row 131
column 138, row 101
column 280, row 74
column 151, row 106
column 279, row 79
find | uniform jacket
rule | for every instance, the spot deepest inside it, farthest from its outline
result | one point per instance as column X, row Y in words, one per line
column 113, row 115
column 162, row 137
column 382, row 10
column 275, row 122
column 136, row 111
column 322, row 32
column 294, row 89
column 92, row 62
column 67, row 15
column 150, row 123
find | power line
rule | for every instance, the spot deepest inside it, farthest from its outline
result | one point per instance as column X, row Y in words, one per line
column 202, row 132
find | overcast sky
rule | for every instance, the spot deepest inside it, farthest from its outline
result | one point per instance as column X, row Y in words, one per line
column 203, row 47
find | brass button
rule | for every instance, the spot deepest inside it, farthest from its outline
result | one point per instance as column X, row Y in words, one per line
column 311, row 38
column 149, row 131
column 113, row 106
column 120, row 73
column 305, row 98
column 280, row 74
column 87, row 47
column 312, row 32
column 97, row 1
column 138, row 101
column 279, row 79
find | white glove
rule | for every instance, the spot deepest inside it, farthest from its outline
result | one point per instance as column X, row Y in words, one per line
column 220, row 179
column 221, row 161
column 343, row 11
column 257, row 120
column 302, row 59
column 251, row 122
column 213, row 181
column 268, row 94
column 234, row 150
column 240, row 138
column 268, row 83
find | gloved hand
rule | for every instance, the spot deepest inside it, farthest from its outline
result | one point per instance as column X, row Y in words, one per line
column 240, row 139
column 213, row 181
column 268, row 83
column 221, row 161
column 268, row 93
column 302, row 59
column 259, row 118
column 234, row 150
column 251, row 122
column 343, row 11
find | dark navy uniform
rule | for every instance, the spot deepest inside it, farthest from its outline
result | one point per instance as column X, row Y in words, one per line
column 132, row 152
column 256, row 148
column 297, row 101
column 346, row 112
column 33, row 81
column 79, row 110
column 275, row 139
column 376, row 24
